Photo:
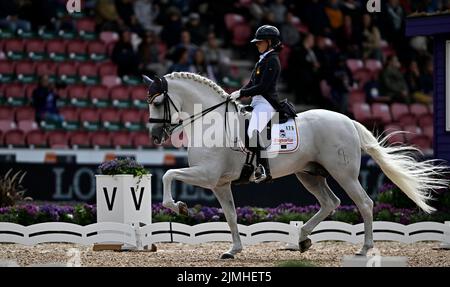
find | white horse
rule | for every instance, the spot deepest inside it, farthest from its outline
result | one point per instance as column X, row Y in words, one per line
column 328, row 139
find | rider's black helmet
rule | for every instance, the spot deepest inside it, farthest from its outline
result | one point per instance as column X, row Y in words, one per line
column 268, row 32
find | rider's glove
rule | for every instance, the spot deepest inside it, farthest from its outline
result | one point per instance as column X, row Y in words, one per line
column 235, row 95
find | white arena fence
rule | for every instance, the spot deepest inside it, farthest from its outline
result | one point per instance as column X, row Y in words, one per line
column 110, row 232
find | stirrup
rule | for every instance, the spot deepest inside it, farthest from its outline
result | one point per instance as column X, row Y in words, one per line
column 260, row 174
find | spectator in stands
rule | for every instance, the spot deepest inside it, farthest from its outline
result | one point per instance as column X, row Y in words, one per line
column 187, row 44
column 201, row 67
column 372, row 91
column 216, row 57
column 290, row 35
column 124, row 56
column 335, row 16
column 392, row 83
column 107, row 17
column 44, row 101
column 279, row 10
column 371, row 39
column 146, row 13
column 341, row 83
column 313, row 14
column 125, row 10
column 149, row 53
column 303, row 72
column 196, row 30
column 258, row 9
column 181, row 64
column 393, row 29
column 426, row 84
column 412, row 77
column 9, row 16
column 171, row 32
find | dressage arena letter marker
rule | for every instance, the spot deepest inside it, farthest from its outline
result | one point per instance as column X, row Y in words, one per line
column 133, row 193
column 108, row 202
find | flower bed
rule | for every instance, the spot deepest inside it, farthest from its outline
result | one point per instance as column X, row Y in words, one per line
column 83, row 214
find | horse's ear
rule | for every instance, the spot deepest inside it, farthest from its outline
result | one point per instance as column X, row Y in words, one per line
column 147, row 80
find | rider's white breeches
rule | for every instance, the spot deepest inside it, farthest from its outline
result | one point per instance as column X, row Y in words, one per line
column 261, row 114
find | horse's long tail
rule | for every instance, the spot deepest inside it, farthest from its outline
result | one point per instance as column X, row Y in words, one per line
column 416, row 179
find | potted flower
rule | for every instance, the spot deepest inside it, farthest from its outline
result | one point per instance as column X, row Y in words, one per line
column 123, row 195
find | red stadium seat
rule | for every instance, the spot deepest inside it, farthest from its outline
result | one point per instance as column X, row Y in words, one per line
column 78, row 95
column 25, row 68
column 354, row 64
column 35, row 49
column 121, row 139
column 422, row 142
column 86, row 25
column 77, row 47
column 46, row 68
column 425, row 120
column 1, row 134
column 428, row 131
column 398, row 110
column 325, row 89
column 29, row 89
column 27, row 125
column 80, row 139
column 6, row 113
column 110, row 119
column 132, row 119
column 407, row 119
column 107, row 69
column 88, row 70
column 58, row 139
column 108, row 37
column 56, row 50
column 418, row 109
column 138, row 95
column 381, row 112
column 7, row 125
column 70, row 114
column 142, row 140
column 25, row 113
column 90, row 119
column 362, row 113
column 395, row 138
column 14, row 138
column 412, row 131
column 67, row 69
column 36, row 138
column 101, row 139
column 6, row 71
column 120, row 96
column 373, row 65
column 97, row 48
column 15, row 94
column 99, row 96
column 14, row 45
column 110, row 81
column 357, row 96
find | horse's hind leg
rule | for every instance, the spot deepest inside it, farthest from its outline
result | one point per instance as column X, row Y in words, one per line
column 225, row 197
column 328, row 201
column 365, row 206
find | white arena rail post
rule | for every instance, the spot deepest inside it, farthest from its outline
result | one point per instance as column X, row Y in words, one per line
column 446, row 243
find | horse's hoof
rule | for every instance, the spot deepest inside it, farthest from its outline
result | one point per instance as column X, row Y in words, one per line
column 305, row 245
column 183, row 208
column 227, row 256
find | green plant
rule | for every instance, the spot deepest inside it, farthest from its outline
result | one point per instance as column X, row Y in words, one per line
column 122, row 166
column 11, row 189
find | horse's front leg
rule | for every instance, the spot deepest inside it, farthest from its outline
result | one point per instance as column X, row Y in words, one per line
column 196, row 175
column 225, row 197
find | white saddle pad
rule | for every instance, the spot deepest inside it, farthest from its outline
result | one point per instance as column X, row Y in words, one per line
column 284, row 138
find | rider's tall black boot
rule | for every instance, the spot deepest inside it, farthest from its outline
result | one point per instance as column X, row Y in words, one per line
column 262, row 172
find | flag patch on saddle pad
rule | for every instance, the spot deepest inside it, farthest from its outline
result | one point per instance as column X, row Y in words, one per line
column 284, row 137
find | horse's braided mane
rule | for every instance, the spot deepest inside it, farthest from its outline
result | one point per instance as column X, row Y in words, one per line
column 198, row 78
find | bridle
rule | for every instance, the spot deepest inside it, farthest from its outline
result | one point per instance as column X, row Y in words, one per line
column 168, row 126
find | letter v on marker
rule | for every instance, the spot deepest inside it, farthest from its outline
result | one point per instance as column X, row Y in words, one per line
column 110, row 203
column 137, row 203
